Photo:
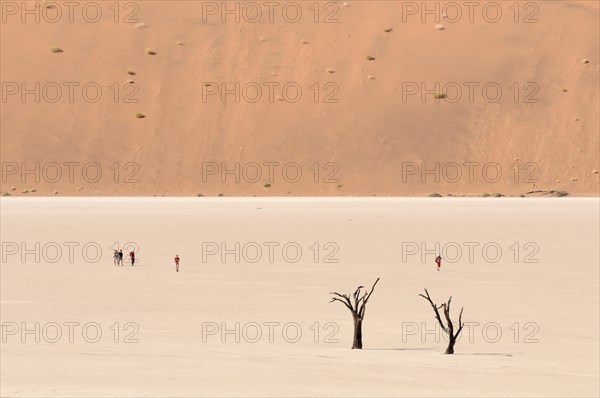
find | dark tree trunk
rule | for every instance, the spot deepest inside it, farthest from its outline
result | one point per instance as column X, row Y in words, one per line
column 450, row 349
column 449, row 330
column 357, row 308
column 357, row 334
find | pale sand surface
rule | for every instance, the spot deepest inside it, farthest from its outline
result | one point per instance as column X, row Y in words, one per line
column 560, row 294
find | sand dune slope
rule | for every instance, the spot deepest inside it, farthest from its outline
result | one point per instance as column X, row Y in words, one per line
column 520, row 101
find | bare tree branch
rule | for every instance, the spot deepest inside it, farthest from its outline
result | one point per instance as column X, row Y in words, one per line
column 345, row 301
column 435, row 310
column 356, row 298
column 371, row 292
column 450, row 326
column 460, row 323
column 365, row 299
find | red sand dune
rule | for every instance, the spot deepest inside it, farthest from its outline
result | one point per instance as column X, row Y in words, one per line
column 357, row 121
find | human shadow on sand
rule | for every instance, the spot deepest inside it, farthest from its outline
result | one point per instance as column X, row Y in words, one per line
column 402, row 349
column 502, row 354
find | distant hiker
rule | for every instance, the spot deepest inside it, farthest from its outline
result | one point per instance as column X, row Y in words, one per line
column 120, row 257
column 116, row 257
column 438, row 261
column 132, row 256
column 177, row 262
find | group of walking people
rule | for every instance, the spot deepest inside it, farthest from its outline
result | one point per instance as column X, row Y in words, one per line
column 118, row 258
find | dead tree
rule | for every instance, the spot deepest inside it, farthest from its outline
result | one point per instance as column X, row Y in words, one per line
column 449, row 328
column 357, row 308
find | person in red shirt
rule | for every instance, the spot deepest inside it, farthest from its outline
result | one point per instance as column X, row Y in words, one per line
column 132, row 256
column 438, row 261
column 177, row 262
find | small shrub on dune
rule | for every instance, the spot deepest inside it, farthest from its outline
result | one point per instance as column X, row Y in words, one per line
column 56, row 49
column 560, row 194
column 139, row 115
column 150, row 51
column 435, row 195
